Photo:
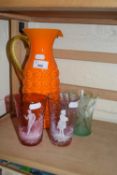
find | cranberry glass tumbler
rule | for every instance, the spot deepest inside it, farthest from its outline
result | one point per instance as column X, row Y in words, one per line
column 62, row 118
column 30, row 110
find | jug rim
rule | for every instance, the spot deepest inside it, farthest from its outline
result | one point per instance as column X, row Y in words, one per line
column 41, row 29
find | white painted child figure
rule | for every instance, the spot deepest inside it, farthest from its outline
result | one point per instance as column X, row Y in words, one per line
column 31, row 117
column 62, row 123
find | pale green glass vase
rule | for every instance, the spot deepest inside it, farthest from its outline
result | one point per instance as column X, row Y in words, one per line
column 83, row 125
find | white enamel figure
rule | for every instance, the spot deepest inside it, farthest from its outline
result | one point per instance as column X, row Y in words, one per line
column 31, row 117
column 62, row 123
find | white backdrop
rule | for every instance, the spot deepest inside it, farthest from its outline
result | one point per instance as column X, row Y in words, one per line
column 4, row 66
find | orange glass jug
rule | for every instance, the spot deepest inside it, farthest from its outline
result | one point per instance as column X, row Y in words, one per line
column 40, row 73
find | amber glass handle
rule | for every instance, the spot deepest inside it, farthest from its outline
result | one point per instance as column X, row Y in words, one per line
column 12, row 55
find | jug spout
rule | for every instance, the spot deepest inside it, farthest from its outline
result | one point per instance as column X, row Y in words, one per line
column 42, row 39
column 40, row 32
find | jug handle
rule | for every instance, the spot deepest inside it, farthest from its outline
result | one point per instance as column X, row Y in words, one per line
column 12, row 56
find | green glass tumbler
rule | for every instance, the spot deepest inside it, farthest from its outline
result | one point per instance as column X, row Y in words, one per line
column 83, row 124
